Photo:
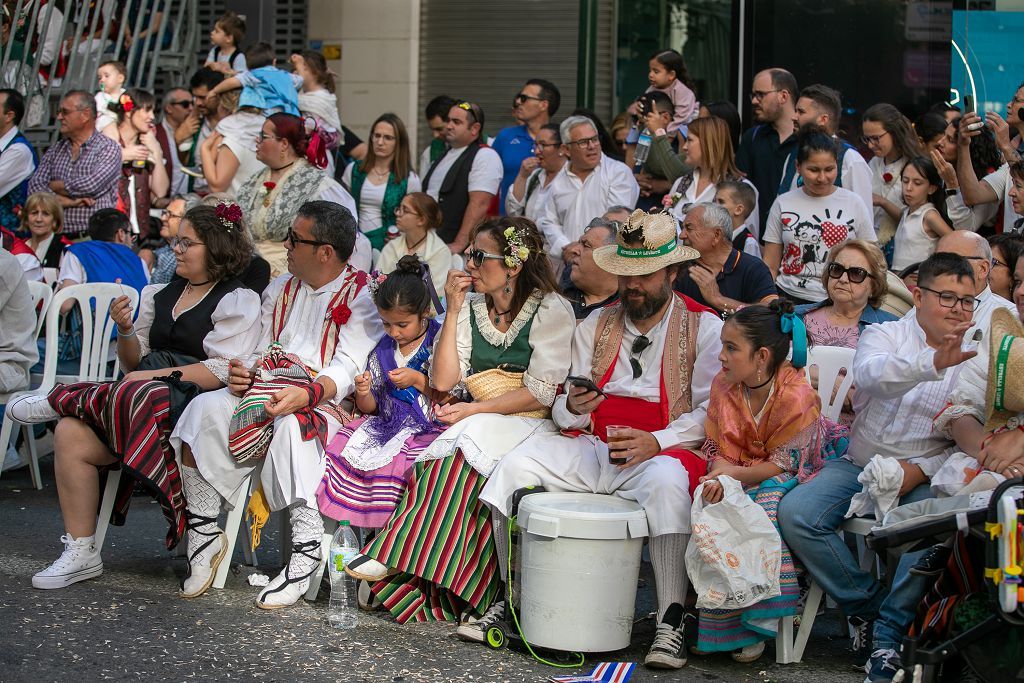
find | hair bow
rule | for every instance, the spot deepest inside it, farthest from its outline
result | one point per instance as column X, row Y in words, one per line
column 793, row 325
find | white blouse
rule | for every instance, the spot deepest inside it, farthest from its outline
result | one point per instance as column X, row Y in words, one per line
column 236, row 327
column 690, row 197
column 885, row 225
column 372, row 196
column 240, row 131
column 550, row 340
column 433, row 251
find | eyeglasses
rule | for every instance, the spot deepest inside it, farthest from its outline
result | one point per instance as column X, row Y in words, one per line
column 182, row 244
column 67, row 112
column 758, row 95
column 640, row 344
column 291, row 237
column 997, row 262
column 166, row 213
column 478, row 256
column 523, row 97
column 401, row 210
column 541, row 146
column 853, row 273
column 383, row 136
column 593, row 141
column 873, row 139
column 950, row 300
column 187, row 104
column 261, row 136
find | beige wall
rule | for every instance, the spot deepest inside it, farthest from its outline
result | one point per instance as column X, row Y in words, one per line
column 379, row 67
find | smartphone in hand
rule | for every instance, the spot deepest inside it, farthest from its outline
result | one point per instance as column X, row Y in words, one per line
column 584, row 383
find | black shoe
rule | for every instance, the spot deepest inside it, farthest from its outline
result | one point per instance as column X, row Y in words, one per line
column 668, row 651
column 933, row 561
column 862, row 635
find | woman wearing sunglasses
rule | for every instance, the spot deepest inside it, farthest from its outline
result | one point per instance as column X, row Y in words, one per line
column 855, row 280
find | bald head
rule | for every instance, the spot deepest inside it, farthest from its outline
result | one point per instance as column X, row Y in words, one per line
column 972, row 247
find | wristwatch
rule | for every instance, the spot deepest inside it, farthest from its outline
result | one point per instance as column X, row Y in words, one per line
column 951, row 191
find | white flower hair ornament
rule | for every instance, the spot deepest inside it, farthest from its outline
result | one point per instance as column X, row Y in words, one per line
column 517, row 251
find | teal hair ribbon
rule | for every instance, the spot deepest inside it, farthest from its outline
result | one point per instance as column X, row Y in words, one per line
column 793, row 325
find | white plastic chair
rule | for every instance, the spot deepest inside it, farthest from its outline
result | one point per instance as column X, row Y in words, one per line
column 50, row 276
column 830, row 361
column 93, row 301
column 40, row 291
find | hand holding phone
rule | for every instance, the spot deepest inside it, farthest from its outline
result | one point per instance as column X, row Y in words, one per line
column 584, row 383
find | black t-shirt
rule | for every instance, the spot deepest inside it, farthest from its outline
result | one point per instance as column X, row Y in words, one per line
column 762, row 156
column 744, row 278
column 580, row 308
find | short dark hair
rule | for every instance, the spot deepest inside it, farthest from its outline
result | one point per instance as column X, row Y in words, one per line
column 743, row 193
column 930, row 126
column 944, row 263
column 233, row 25
column 118, row 66
column 439, row 106
column 85, row 100
column 259, row 55
column 554, row 128
column 783, row 80
column 659, row 102
column 228, row 250
column 811, row 139
column 827, row 99
column 15, row 102
column 205, row 77
column 333, row 224
column 549, row 93
column 104, row 224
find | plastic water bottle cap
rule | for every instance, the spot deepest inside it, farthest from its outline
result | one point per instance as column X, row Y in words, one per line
column 344, row 522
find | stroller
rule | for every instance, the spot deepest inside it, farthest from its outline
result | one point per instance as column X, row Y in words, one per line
column 972, row 618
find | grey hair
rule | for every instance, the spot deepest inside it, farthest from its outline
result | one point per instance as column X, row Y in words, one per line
column 85, row 100
column 715, row 216
column 617, row 208
column 600, row 222
column 333, row 224
column 168, row 96
column 571, row 122
column 191, row 199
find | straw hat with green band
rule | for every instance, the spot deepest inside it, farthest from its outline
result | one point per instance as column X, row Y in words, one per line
column 653, row 244
column 1004, row 397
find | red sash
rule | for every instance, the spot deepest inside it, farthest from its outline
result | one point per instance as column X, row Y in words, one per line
column 648, row 416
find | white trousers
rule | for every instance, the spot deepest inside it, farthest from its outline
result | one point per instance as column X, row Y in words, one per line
column 290, row 473
column 560, row 463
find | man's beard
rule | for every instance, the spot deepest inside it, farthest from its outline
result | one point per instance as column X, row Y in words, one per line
column 649, row 305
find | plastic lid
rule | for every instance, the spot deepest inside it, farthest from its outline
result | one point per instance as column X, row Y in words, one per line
column 582, row 515
column 344, row 522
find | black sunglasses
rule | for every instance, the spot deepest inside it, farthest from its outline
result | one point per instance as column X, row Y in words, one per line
column 640, row 344
column 523, row 97
column 183, row 103
column 855, row 274
column 477, row 256
column 290, row 237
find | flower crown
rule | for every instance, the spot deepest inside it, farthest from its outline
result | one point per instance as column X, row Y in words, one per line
column 230, row 215
column 126, row 103
column 517, row 249
column 376, row 280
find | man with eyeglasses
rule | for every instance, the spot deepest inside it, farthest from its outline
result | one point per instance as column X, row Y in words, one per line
column 534, row 107
column 764, row 147
column 466, row 180
column 903, row 371
column 591, row 287
column 18, row 159
column 652, row 357
column 180, row 122
column 82, row 168
column 198, row 126
column 587, row 186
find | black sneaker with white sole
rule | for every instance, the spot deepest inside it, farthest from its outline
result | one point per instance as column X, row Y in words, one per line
column 474, row 629
column 668, row 651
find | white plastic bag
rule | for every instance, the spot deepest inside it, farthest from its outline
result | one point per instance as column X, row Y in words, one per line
column 734, row 555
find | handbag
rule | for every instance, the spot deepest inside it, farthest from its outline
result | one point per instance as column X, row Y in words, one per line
column 489, row 384
column 181, row 391
column 735, row 554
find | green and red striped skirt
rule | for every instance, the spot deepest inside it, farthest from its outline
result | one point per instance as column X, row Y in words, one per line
column 440, row 541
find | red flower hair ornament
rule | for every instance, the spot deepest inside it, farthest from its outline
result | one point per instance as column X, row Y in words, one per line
column 126, row 103
column 230, row 215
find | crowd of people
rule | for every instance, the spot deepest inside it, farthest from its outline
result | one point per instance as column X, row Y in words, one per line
column 403, row 341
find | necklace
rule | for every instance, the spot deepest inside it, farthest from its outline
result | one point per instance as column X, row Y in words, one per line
column 283, row 168
column 381, row 174
column 410, row 343
column 192, row 285
column 411, row 249
column 498, row 315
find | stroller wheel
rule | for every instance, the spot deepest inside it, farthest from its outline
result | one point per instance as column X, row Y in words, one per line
column 496, row 638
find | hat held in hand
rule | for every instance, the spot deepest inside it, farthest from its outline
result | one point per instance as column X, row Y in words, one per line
column 1004, row 397
column 646, row 243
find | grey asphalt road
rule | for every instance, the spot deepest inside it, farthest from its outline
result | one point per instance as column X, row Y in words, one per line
column 130, row 624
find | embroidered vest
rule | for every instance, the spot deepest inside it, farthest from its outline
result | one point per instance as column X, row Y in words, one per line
column 338, row 311
column 677, row 359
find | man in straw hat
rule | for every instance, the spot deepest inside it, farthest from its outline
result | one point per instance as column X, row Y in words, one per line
column 904, row 371
column 652, row 355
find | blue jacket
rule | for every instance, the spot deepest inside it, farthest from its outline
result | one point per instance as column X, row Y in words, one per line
column 869, row 316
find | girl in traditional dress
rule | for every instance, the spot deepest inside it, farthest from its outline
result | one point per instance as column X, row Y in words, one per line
column 370, row 458
column 509, row 341
column 764, row 429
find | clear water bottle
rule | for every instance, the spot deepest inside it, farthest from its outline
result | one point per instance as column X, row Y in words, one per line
column 342, row 610
column 643, row 148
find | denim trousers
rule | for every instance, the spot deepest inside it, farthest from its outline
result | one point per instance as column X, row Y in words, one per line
column 810, row 516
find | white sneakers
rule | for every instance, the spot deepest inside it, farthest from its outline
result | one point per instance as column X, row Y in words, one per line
column 79, row 561
column 31, row 409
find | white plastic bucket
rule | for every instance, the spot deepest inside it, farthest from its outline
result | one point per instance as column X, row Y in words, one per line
column 579, row 564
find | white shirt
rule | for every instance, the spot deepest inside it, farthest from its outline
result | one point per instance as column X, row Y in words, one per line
column 963, row 217
column 485, row 176
column 856, row 176
column 899, row 392
column 16, row 164
column 1000, row 182
column 686, row 430
column 573, row 203
column 104, row 115
column 433, row 251
column 240, row 131
column 913, row 243
column 17, row 317
column 301, row 333
column 807, row 227
column 372, row 196
column 537, row 200
column 892, row 190
column 236, row 326
column 690, row 197
column 751, row 246
column 987, row 302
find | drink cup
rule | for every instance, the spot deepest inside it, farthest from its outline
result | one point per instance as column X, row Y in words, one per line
column 616, row 433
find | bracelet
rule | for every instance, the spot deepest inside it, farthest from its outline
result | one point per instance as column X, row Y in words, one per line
column 124, row 334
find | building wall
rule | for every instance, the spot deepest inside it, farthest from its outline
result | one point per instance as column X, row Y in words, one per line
column 379, row 66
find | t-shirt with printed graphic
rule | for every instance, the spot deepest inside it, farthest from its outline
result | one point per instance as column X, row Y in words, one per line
column 807, row 227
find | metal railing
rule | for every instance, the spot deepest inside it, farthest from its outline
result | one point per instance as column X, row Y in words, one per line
column 51, row 52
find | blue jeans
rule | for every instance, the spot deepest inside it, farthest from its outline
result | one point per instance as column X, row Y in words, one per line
column 810, row 516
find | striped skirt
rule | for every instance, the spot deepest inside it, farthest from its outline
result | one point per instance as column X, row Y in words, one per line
column 133, row 419
column 727, row 630
column 366, row 498
column 440, row 541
